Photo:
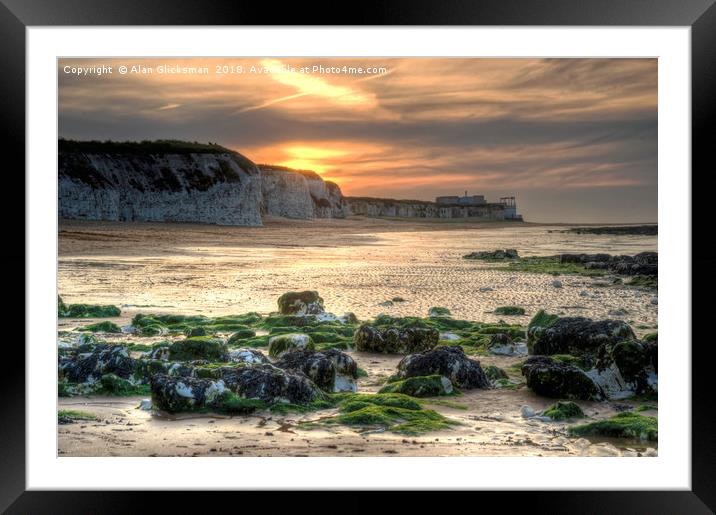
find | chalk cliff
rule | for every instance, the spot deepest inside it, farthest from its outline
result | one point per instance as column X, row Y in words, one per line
column 177, row 181
column 299, row 194
column 174, row 181
column 157, row 181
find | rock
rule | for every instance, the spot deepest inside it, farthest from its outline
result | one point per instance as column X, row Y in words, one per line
column 145, row 405
column 241, row 334
column 556, row 283
column 318, row 367
column 289, row 342
column 176, row 394
column 300, row 303
column 550, row 334
column 644, row 263
column 386, row 304
column 563, row 410
column 622, row 425
column 494, row 373
column 270, row 384
column 428, row 386
column 197, row 331
column 160, row 352
column 499, row 339
column 619, row 312
column 513, row 349
column 450, row 336
column 626, row 368
column 345, row 318
column 509, row 311
column 551, row 378
column 250, row 356
column 527, row 411
column 395, row 340
column 89, row 365
column 485, row 289
column 199, row 347
column 493, row 255
column 503, row 345
column 654, row 300
column 436, row 312
column 115, row 385
column 450, row 362
column 346, row 370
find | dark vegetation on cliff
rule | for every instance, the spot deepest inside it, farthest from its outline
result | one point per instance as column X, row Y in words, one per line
column 75, row 162
column 145, row 147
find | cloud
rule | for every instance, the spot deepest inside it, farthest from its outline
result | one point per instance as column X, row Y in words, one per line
column 424, row 127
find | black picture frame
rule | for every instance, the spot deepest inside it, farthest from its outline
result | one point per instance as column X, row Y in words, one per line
column 699, row 15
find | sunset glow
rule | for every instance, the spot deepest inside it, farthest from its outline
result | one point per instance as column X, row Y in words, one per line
column 412, row 128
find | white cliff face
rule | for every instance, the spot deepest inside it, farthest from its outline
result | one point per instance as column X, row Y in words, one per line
column 216, row 188
column 299, row 194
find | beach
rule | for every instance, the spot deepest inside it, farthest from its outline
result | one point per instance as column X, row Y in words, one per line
column 358, row 265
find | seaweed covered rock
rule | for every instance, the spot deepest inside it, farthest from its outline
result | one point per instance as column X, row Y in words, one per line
column 250, row 356
column 89, row 364
column 437, row 311
column 147, row 368
column 644, row 263
column 159, row 352
column 509, row 311
column 241, row 334
column 551, row 378
column 622, row 425
column 102, row 327
column 300, row 303
column 175, row 394
column 270, row 384
column 494, row 373
column 85, row 310
column 550, row 334
column 626, row 368
column 331, row 370
column 289, row 342
column 346, row 370
column 450, row 362
column 429, row 386
column 563, row 410
column 199, row 347
column 493, row 255
column 395, row 340
column 315, row 365
column 502, row 344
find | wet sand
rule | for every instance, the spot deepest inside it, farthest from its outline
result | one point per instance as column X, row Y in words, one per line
column 356, row 265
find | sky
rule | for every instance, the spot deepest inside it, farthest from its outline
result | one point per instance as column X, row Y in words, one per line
column 574, row 140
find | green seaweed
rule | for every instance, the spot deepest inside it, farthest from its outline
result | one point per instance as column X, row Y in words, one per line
column 623, row 425
column 102, row 327
column 86, row 310
column 509, row 310
column 563, row 410
column 75, row 414
column 549, row 265
column 111, row 384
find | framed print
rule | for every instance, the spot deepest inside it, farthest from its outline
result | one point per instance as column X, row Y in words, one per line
column 419, row 252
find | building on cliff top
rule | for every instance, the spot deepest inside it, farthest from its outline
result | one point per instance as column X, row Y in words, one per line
column 508, row 204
